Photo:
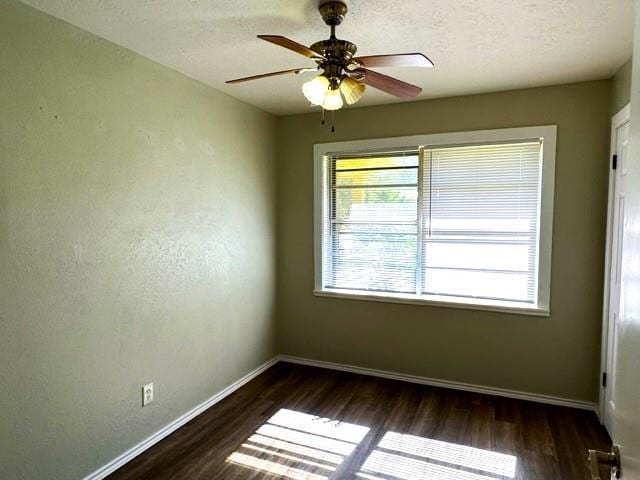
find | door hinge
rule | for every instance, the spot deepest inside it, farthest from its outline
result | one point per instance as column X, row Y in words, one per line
column 604, row 379
column 614, row 161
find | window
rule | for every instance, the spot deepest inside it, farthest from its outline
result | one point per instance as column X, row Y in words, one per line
column 459, row 219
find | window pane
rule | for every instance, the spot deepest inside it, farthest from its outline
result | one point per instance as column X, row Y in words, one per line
column 372, row 224
column 477, row 284
column 392, row 176
column 408, row 160
column 374, row 257
column 477, row 255
column 480, row 221
column 376, row 205
column 485, row 225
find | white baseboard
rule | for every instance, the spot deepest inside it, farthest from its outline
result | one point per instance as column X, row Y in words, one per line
column 133, row 452
column 436, row 382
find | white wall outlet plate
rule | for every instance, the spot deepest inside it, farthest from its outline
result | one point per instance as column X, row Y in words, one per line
column 147, row 394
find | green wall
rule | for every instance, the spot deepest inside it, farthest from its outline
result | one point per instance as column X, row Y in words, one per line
column 558, row 355
column 137, row 242
column 621, row 87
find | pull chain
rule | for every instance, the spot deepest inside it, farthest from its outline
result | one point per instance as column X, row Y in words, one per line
column 322, row 122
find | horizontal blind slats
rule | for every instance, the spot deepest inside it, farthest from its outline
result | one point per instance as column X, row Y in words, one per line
column 479, row 225
column 475, row 195
column 373, row 222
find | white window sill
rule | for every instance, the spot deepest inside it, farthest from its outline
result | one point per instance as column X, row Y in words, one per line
column 436, row 301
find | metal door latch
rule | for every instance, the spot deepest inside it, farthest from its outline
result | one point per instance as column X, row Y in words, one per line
column 596, row 458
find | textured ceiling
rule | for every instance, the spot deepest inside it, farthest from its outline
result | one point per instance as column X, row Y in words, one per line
column 477, row 45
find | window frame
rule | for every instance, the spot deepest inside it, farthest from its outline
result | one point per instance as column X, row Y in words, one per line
column 547, row 133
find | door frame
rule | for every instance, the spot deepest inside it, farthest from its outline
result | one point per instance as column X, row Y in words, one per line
column 623, row 116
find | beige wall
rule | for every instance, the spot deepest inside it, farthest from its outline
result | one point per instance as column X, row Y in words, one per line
column 136, row 245
column 621, row 87
column 557, row 355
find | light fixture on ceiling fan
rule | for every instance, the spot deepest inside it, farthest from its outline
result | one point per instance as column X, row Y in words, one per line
column 342, row 74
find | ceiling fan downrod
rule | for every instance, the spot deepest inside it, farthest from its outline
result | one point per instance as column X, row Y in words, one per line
column 338, row 53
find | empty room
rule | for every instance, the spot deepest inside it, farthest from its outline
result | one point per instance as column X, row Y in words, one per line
column 319, row 240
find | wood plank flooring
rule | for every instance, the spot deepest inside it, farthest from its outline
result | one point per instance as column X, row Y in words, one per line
column 304, row 423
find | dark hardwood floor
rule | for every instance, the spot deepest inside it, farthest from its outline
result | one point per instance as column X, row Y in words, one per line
column 297, row 422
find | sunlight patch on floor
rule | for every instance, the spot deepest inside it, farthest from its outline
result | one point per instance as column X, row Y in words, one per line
column 325, row 427
column 286, row 456
column 297, row 446
column 276, row 444
column 451, row 453
column 306, row 439
column 272, row 468
column 380, row 464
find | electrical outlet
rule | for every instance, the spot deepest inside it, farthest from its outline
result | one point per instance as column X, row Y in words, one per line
column 147, row 394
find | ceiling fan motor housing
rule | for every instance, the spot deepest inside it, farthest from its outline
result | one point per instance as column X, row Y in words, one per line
column 338, row 54
column 333, row 12
column 335, row 49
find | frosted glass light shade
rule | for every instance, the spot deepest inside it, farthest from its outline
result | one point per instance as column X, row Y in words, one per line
column 316, row 89
column 351, row 89
column 332, row 100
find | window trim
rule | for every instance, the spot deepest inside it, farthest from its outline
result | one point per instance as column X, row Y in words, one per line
column 547, row 133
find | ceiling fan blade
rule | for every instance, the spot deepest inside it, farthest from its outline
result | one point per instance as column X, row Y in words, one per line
column 387, row 84
column 272, row 74
column 394, row 60
column 291, row 45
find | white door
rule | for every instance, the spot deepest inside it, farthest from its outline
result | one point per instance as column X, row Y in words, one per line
column 616, row 224
column 626, row 396
column 627, row 385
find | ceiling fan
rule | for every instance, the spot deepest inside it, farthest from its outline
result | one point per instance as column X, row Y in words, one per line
column 342, row 74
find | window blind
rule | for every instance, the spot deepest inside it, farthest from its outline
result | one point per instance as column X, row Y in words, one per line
column 480, row 220
column 373, row 222
column 456, row 221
